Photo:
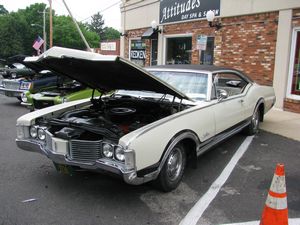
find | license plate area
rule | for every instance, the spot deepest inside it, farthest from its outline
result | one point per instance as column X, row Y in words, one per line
column 64, row 169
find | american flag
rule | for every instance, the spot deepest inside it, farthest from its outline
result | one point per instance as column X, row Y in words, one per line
column 38, row 43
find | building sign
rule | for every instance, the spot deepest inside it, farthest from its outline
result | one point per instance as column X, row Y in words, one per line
column 201, row 42
column 181, row 10
column 108, row 46
column 138, row 44
column 138, row 52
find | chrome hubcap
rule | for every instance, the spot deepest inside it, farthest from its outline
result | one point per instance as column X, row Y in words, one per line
column 174, row 164
column 255, row 120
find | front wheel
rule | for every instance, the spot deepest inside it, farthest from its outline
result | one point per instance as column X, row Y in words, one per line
column 172, row 170
column 253, row 127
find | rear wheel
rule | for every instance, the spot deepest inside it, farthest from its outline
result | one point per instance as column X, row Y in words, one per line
column 172, row 171
column 253, row 127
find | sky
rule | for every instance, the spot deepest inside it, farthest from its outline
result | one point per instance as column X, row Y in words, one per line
column 81, row 10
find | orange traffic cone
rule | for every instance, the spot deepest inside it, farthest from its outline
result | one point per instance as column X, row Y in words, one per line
column 275, row 211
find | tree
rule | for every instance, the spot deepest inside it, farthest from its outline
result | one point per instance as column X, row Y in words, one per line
column 32, row 15
column 11, row 36
column 97, row 24
column 3, row 10
column 17, row 35
column 65, row 34
column 110, row 34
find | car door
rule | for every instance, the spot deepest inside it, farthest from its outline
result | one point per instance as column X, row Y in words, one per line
column 229, row 109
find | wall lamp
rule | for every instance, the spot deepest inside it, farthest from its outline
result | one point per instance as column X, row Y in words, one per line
column 210, row 16
column 123, row 33
column 155, row 27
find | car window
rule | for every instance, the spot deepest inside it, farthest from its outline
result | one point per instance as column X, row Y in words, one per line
column 19, row 66
column 194, row 85
column 232, row 83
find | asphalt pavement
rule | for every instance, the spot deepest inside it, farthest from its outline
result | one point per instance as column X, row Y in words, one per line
column 90, row 198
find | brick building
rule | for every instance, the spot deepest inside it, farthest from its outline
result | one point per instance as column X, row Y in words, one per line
column 259, row 37
column 111, row 47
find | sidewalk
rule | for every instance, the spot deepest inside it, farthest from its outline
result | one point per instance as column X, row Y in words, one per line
column 283, row 123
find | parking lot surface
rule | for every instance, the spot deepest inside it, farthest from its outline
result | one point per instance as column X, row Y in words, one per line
column 89, row 198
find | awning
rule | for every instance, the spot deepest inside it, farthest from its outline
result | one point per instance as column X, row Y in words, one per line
column 150, row 34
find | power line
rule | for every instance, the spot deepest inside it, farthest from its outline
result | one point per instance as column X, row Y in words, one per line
column 101, row 11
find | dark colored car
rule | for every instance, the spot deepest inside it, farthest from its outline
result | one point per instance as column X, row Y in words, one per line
column 21, row 77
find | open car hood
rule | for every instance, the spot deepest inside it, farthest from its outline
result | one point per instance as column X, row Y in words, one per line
column 29, row 62
column 102, row 72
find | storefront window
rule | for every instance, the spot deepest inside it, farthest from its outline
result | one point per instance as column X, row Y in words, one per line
column 207, row 56
column 179, row 50
column 153, row 52
column 295, row 88
column 138, row 52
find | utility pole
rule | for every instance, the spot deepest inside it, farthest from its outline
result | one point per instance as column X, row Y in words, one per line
column 51, row 30
column 78, row 28
column 44, row 29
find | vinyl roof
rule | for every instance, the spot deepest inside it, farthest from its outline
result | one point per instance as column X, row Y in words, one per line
column 210, row 68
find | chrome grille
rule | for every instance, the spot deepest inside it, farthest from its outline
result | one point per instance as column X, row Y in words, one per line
column 14, row 85
column 85, row 151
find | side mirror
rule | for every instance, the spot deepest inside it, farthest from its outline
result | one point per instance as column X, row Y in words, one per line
column 222, row 94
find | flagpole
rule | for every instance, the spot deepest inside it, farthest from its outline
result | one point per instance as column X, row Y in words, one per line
column 50, row 34
column 44, row 29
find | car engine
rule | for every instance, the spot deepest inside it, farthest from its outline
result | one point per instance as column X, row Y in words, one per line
column 111, row 118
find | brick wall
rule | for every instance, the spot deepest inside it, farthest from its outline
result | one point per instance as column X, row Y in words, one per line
column 108, row 52
column 290, row 104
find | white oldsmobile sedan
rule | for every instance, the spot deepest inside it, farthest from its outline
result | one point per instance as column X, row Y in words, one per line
column 148, row 124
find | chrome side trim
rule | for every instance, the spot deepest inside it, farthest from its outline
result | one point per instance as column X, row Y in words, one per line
column 203, row 147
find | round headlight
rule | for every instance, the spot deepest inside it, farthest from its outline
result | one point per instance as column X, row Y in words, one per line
column 119, row 153
column 108, row 150
column 41, row 134
column 33, row 131
column 13, row 75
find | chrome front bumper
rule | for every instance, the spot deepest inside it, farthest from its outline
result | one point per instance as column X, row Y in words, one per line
column 103, row 165
column 11, row 92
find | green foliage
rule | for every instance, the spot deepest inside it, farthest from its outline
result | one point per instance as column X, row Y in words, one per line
column 110, row 34
column 65, row 34
column 17, row 34
column 97, row 24
column 3, row 10
column 11, row 36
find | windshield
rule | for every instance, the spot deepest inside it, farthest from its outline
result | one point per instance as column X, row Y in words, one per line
column 19, row 66
column 193, row 85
